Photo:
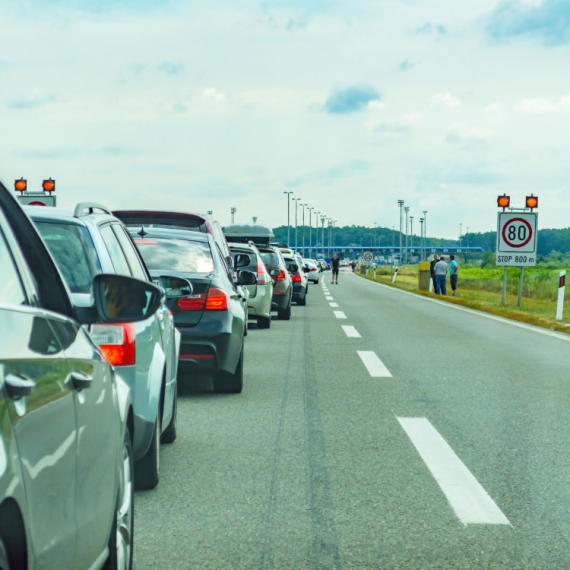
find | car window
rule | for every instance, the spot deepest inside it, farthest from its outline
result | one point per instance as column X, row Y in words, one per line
column 270, row 258
column 253, row 260
column 11, row 290
column 176, row 255
column 130, row 252
column 115, row 252
column 222, row 258
column 74, row 252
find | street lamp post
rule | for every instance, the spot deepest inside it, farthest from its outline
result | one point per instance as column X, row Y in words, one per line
column 233, row 211
column 310, row 226
column 323, row 218
column 401, row 206
column 406, row 210
column 421, row 239
column 296, row 200
column 411, row 232
column 303, row 206
column 288, row 223
column 425, row 231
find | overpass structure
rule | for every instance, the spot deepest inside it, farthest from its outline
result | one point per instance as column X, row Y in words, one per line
column 407, row 252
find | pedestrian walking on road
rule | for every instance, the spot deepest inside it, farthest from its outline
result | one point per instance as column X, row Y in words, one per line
column 453, row 269
column 440, row 276
column 432, row 270
column 335, row 265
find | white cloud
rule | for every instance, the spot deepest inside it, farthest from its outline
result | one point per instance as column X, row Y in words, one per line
column 445, row 101
column 211, row 93
column 543, row 105
column 466, row 134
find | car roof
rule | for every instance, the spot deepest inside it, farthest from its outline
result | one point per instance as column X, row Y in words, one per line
column 168, row 233
column 38, row 213
column 237, row 245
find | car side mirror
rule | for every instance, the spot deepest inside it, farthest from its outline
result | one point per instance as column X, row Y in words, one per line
column 306, row 269
column 247, row 278
column 293, row 268
column 274, row 273
column 175, row 287
column 242, row 260
column 119, row 299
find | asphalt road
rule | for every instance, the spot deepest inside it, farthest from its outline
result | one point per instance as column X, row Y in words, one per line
column 433, row 438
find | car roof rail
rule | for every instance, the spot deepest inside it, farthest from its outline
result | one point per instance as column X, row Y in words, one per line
column 82, row 206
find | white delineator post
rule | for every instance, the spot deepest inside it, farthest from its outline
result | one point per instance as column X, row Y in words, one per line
column 561, row 286
column 394, row 276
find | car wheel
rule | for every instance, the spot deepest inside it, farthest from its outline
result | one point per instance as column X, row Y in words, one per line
column 4, row 563
column 302, row 301
column 285, row 314
column 263, row 322
column 147, row 469
column 230, row 383
column 121, row 539
column 169, row 434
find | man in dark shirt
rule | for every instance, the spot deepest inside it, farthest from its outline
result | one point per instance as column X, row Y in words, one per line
column 432, row 270
column 335, row 265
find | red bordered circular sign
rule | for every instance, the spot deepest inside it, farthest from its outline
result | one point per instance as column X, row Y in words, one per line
column 511, row 233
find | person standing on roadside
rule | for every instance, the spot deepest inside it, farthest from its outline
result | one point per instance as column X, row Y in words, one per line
column 335, row 266
column 453, row 269
column 440, row 276
column 432, row 270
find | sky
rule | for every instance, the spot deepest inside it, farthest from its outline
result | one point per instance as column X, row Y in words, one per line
column 197, row 105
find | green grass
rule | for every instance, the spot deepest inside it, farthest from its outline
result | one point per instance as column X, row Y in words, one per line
column 536, row 311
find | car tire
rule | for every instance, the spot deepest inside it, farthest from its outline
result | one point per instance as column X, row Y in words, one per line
column 225, row 383
column 302, row 301
column 121, row 538
column 147, row 469
column 263, row 322
column 285, row 314
column 169, row 434
column 4, row 562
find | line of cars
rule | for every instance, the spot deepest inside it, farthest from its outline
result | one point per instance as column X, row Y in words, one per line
column 103, row 314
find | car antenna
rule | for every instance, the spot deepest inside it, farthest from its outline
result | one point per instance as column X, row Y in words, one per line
column 142, row 233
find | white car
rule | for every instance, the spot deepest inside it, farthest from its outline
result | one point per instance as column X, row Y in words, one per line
column 313, row 273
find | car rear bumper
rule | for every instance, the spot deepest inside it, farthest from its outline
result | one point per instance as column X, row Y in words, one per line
column 298, row 292
column 279, row 301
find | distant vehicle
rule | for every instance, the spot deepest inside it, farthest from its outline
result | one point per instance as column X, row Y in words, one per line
column 313, row 273
column 282, row 283
column 91, row 241
column 66, row 435
column 260, row 295
column 213, row 320
column 300, row 283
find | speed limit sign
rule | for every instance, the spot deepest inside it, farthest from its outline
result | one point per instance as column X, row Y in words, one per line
column 516, row 239
column 367, row 257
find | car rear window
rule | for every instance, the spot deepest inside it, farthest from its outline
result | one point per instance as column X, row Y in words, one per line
column 270, row 258
column 74, row 252
column 176, row 255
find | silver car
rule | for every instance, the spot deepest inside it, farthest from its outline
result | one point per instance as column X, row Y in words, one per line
column 247, row 257
column 312, row 270
column 91, row 241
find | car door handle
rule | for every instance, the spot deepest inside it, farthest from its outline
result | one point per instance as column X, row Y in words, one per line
column 18, row 386
column 79, row 381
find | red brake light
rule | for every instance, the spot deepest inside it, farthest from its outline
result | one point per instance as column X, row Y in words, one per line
column 313, row 268
column 297, row 278
column 260, row 273
column 280, row 276
column 193, row 302
column 217, row 300
column 117, row 342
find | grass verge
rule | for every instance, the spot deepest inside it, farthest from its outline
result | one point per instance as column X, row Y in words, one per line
column 536, row 312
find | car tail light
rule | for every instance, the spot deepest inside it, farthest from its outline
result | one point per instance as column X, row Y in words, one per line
column 297, row 278
column 193, row 302
column 260, row 273
column 313, row 268
column 217, row 300
column 280, row 276
column 117, row 342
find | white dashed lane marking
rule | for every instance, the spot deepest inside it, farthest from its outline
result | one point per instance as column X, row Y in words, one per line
column 375, row 366
column 465, row 494
column 333, row 304
column 339, row 315
column 350, row 331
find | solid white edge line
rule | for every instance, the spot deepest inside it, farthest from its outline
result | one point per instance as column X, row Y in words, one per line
column 560, row 336
column 339, row 315
column 350, row 331
column 374, row 365
column 471, row 503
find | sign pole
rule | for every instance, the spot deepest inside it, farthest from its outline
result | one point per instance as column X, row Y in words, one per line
column 519, row 303
column 504, row 286
column 561, row 287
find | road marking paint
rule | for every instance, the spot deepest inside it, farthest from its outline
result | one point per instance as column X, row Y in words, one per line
column 465, row 494
column 350, row 331
column 374, row 365
column 328, row 298
column 560, row 336
column 339, row 315
column 333, row 304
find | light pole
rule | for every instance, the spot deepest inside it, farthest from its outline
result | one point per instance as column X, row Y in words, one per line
column 411, row 232
column 288, row 224
column 210, row 212
column 296, row 200
column 303, row 206
column 254, row 219
column 310, row 226
column 421, row 238
column 425, row 232
column 233, row 211
column 401, row 205
column 323, row 218
column 407, row 209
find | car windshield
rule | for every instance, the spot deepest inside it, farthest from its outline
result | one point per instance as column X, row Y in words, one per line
column 176, row 255
column 269, row 258
column 74, row 252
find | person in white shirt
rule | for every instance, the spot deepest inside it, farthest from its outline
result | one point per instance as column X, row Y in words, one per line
column 440, row 269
